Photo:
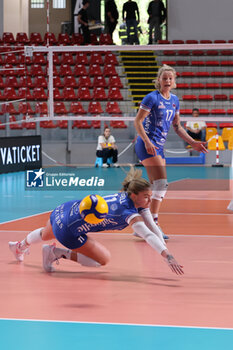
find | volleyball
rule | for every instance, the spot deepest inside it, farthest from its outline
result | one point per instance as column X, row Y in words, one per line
column 93, row 209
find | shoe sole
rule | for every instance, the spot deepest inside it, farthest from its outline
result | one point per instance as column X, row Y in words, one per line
column 46, row 251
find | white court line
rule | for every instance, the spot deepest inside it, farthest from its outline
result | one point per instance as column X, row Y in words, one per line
column 115, row 324
column 25, row 217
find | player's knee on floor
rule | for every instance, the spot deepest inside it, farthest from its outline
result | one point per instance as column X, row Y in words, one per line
column 159, row 189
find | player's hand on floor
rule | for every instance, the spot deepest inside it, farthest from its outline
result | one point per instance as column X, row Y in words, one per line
column 174, row 265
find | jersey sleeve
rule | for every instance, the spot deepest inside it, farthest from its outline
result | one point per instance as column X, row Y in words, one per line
column 148, row 102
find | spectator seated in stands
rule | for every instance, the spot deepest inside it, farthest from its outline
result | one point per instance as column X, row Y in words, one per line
column 107, row 148
column 197, row 128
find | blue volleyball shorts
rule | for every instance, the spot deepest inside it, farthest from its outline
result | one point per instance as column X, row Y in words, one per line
column 142, row 152
column 62, row 232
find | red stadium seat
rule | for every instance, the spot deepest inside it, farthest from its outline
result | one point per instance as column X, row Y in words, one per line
column 99, row 80
column 41, row 108
column 36, row 39
column 182, row 86
column 220, row 97
column 230, row 111
column 10, row 58
column 218, row 111
column 205, row 41
column 39, row 58
column 227, row 63
column 22, row 59
column 70, row 81
column 64, row 39
column 11, row 81
column 76, row 108
column 96, row 124
column 56, row 94
column 220, row 41
column 81, row 58
column 212, row 86
column 197, row 86
column 177, row 41
column 49, row 38
column 9, row 94
column 22, row 38
column 80, row 69
column 36, row 69
column 2, row 84
column 40, row 81
column 202, row 74
column 229, row 74
column 77, row 39
column 169, row 63
column 24, row 93
column 84, row 94
column 8, row 70
column 65, row 69
column 212, row 63
column 212, row 52
column 57, row 82
column 187, row 74
column 183, row 52
column 39, row 94
column 95, row 70
column 114, row 94
column 99, row 94
column 165, row 42
column 9, row 108
column 110, row 58
column 189, row 97
column 182, row 63
column 186, row 111
column 56, row 59
column 67, row 58
column 105, row 39
column 81, row 124
column 115, row 81
column 205, row 97
column 226, row 52
column 94, row 108
column 198, row 52
column 227, row 85
column 96, row 58
column 85, row 81
column 14, row 126
column 191, row 41
column 25, row 108
column 217, row 74
column 169, row 53
column 8, row 38
column 68, row 94
column 109, row 69
column 112, row 107
column 120, row 124
column 204, row 111
column 197, row 63
column 60, row 108
column 94, row 39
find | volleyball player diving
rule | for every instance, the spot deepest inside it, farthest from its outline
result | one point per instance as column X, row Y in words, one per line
column 130, row 207
column 158, row 110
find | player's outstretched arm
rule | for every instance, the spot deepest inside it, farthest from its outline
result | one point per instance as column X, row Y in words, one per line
column 155, row 242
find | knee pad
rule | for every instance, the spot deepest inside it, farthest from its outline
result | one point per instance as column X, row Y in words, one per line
column 159, row 189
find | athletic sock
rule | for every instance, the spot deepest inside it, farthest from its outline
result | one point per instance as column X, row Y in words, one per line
column 62, row 253
column 155, row 217
column 32, row 237
column 86, row 261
